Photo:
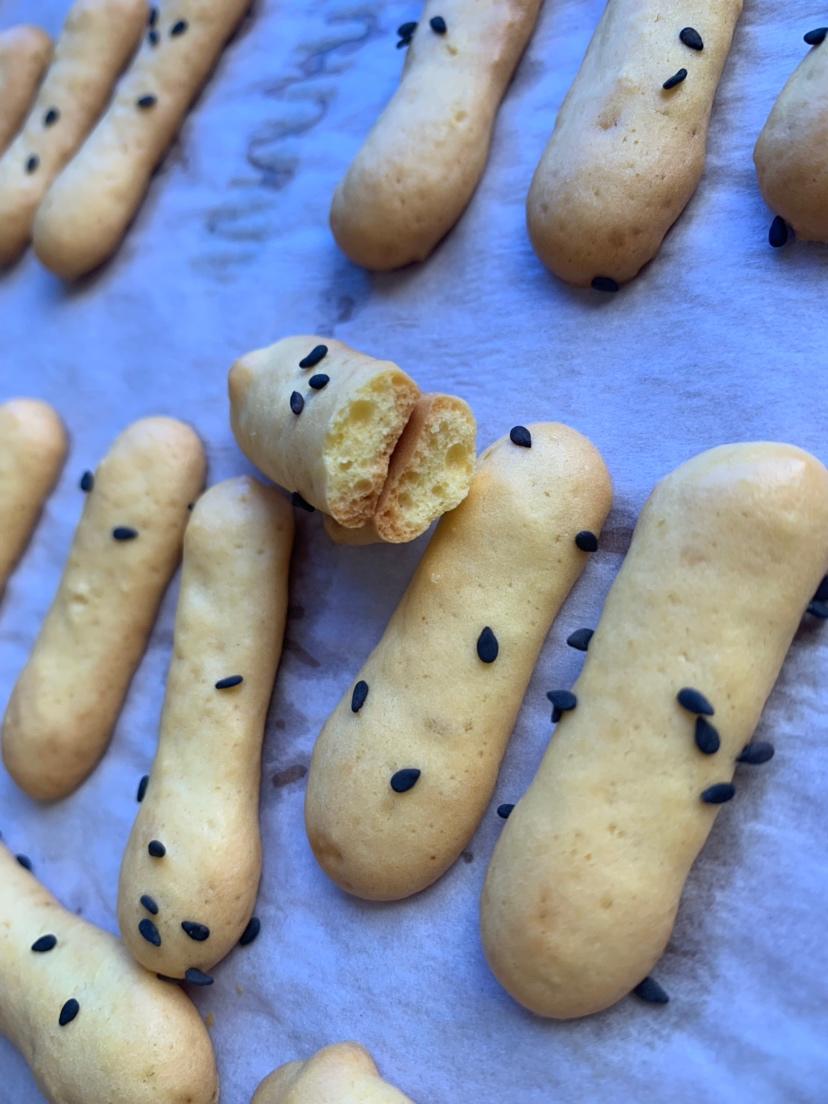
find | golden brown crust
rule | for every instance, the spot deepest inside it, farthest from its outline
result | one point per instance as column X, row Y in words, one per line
column 25, row 52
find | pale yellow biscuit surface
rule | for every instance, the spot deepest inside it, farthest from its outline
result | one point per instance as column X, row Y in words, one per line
column 88, row 209
column 32, row 452
column 97, row 39
column 134, row 1039
column 341, row 1074
column 25, row 53
column 504, row 560
column 332, row 444
column 583, row 889
column 420, row 165
column 67, row 700
column 791, row 154
column 626, row 155
column 202, row 802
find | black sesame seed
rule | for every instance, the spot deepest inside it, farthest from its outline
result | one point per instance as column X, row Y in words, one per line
column 149, row 931
column 438, row 24
column 822, row 591
column 676, row 79
column 757, row 753
column 405, row 779
column 124, row 533
column 520, row 435
column 604, row 283
column 229, row 682
column 778, row 233
column 142, row 788
column 487, row 646
column 651, row 992
column 406, row 30
column 504, row 811
column 319, row 381
column 197, row 977
column 146, row 102
column 817, row 36
column 51, row 117
column 178, row 28
column 87, row 482
column 68, row 1012
column 44, row 944
column 317, row 353
column 196, row 931
column 149, row 904
column 24, row 861
column 153, row 37
column 563, row 700
column 579, row 640
column 302, row 503
column 718, row 794
column 32, row 163
column 691, row 37
column 359, row 696
column 707, row 737
column 403, row 43
column 694, row 702
column 153, row 16
column 819, row 609
column 297, row 403
column 586, row 541
column 251, row 932
column 157, row 849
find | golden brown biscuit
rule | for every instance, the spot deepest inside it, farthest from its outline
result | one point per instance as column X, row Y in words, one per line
column 340, row 1074
column 25, row 52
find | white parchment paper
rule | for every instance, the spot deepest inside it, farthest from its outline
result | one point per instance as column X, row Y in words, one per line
column 720, row 340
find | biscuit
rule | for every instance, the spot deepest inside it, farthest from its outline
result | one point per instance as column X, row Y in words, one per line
column 430, row 473
column 419, row 167
column 790, row 155
column 97, row 39
column 405, row 766
column 94, row 1027
column 90, row 206
column 584, row 885
column 32, row 452
column 341, row 1074
column 25, row 52
column 629, row 144
column 188, row 907
column 127, row 545
column 322, row 420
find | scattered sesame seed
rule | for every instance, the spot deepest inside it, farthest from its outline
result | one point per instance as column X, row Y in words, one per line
column 149, row 904
column 359, row 696
column 229, row 682
column 718, row 794
column 487, row 646
column 179, row 28
column 757, row 753
column 149, row 931
column 676, row 79
column 405, row 780
column 196, row 931
column 817, row 36
column 297, row 403
column 32, row 163
column 68, row 1012
column 24, row 861
column 51, row 117
column 87, row 482
column 694, row 702
column 317, row 353
column 707, row 737
column 579, row 640
column 197, row 977
column 153, row 16
column 505, row 811
column 251, row 932
column 604, row 283
column 691, row 37
column 44, row 943
column 302, row 503
column 586, row 541
column 406, row 30
column 562, row 701
column 153, row 37
column 142, row 788
column 778, row 233
column 124, row 533
column 146, row 102
column 438, row 24
column 157, row 849
column 651, row 992
column 319, row 381
column 520, row 435
column 822, row 591
column 819, row 609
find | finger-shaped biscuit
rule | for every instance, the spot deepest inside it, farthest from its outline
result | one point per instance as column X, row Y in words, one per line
column 629, row 144
column 185, row 904
column 419, row 166
column 791, row 156
column 583, row 889
column 95, row 44
column 24, row 54
column 405, row 766
column 430, row 473
column 127, row 545
column 92, row 1024
column 90, row 206
column 322, row 420
column 341, row 1074
column 32, row 451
